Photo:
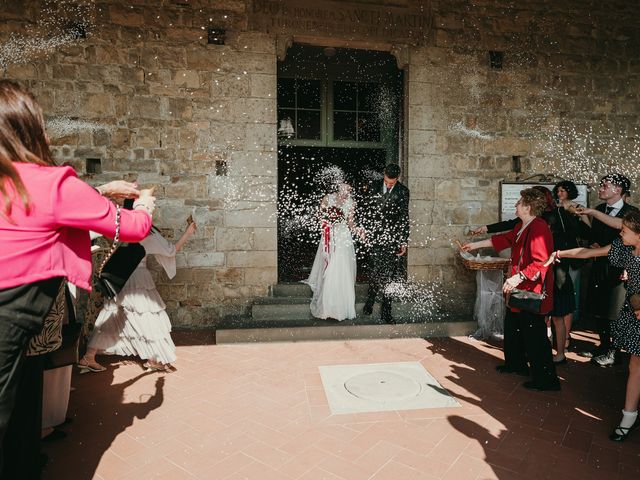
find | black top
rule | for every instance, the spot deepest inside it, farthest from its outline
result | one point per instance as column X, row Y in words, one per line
column 604, row 235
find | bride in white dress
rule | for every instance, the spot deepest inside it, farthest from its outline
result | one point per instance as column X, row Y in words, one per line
column 333, row 274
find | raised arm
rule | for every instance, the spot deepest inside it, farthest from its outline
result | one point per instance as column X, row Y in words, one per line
column 579, row 252
column 467, row 247
column 191, row 229
column 613, row 222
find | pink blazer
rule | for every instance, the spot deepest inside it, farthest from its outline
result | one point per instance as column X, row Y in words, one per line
column 53, row 239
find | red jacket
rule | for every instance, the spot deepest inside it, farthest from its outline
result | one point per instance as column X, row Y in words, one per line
column 535, row 245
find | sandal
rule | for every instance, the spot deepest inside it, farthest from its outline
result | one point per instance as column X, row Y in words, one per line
column 620, row 433
column 85, row 366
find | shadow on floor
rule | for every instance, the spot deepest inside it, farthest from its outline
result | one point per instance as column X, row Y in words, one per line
column 93, row 427
column 543, row 434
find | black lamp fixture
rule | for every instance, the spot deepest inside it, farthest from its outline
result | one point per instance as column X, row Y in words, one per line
column 495, row 59
column 216, row 36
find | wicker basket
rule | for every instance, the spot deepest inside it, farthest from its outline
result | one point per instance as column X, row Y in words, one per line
column 498, row 264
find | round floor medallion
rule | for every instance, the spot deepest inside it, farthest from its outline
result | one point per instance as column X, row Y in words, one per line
column 383, row 387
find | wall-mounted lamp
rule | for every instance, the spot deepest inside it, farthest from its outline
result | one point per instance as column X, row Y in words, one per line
column 495, row 59
column 329, row 52
column 286, row 130
column 216, row 36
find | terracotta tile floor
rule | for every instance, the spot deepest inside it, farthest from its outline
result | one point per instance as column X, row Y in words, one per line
column 258, row 412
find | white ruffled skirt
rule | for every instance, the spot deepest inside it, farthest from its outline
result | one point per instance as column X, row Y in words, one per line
column 135, row 322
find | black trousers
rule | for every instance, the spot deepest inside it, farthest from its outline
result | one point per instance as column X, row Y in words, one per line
column 383, row 268
column 605, row 302
column 22, row 312
column 21, row 447
column 525, row 340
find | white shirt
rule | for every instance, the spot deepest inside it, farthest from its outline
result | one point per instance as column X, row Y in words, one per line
column 385, row 189
column 616, row 207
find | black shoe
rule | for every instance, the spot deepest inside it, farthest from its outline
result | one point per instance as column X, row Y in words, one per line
column 620, row 433
column 605, row 360
column 55, row 434
column 518, row 371
column 552, row 387
column 593, row 353
column 367, row 309
column 388, row 319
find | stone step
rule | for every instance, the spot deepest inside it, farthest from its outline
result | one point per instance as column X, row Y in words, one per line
column 298, row 289
column 315, row 330
column 297, row 308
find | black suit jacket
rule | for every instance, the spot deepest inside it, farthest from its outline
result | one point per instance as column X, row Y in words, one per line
column 603, row 235
column 386, row 216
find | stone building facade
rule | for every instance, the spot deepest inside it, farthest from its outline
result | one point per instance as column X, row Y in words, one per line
column 161, row 105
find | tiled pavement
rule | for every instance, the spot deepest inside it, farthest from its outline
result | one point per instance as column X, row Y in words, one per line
column 258, row 412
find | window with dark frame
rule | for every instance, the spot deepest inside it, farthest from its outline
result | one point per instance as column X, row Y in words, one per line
column 352, row 108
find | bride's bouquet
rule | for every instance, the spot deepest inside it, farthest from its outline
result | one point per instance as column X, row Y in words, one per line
column 333, row 215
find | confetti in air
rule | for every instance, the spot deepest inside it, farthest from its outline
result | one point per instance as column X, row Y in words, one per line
column 58, row 127
column 464, row 130
column 60, row 23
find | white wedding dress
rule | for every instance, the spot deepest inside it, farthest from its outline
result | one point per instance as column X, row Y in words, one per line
column 333, row 274
column 135, row 322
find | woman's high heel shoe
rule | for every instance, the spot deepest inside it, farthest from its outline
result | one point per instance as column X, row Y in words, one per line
column 620, row 433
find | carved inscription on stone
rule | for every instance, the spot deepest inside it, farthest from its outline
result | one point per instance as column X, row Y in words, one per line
column 345, row 19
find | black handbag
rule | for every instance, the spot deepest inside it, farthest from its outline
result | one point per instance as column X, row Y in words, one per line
column 119, row 264
column 526, row 300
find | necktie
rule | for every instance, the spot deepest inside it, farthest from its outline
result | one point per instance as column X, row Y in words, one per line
column 608, row 209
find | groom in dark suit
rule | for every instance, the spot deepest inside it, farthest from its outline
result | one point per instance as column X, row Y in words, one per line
column 386, row 221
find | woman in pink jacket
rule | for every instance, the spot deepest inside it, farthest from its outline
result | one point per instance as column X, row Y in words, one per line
column 46, row 213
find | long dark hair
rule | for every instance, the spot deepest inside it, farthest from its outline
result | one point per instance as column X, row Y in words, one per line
column 22, row 139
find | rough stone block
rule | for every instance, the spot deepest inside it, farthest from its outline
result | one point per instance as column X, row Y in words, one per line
column 252, row 215
column 186, row 79
column 229, row 239
column 262, row 86
column 208, row 259
column 253, row 163
column 264, row 239
column 98, row 105
column 229, row 85
column 262, row 137
column 260, row 276
column 230, row 276
column 251, row 259
column 422, row 142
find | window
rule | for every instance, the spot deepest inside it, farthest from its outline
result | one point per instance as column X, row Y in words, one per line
column 330, row 113
column 300, row 102
column 355, row 111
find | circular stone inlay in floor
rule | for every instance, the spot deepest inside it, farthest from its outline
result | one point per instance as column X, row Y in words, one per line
column 383, row 387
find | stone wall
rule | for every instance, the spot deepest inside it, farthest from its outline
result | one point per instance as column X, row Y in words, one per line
column 565, row 101
column 161, row 106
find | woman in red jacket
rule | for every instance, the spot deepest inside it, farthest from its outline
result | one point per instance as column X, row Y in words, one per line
column 525, row 333
column 46, row 213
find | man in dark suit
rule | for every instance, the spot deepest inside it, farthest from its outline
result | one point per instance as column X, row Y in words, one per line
column 386, row 221
column 606, row 286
